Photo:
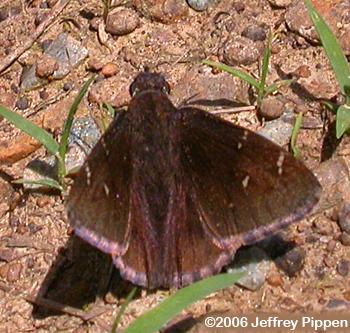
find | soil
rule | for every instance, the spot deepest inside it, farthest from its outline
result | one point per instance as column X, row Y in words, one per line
column 52, row 281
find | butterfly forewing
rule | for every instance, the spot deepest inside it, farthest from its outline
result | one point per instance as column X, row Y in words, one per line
column 98, row 205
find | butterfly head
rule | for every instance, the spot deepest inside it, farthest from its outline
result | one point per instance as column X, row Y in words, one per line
column 149, row 81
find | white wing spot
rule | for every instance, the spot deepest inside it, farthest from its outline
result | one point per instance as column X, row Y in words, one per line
column 245, row 135
column 106, row 189
column 245, row 182
column 239, row 145
column 279, row 163
column 88, row 174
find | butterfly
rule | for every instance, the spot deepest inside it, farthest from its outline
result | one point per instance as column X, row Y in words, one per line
column 172, row 193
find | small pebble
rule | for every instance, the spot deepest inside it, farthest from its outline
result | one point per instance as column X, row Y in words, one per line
column 109, row 69
column 95, row 22
column 331, row 245
column 345, row 239
column 95, row 64
column 323, row 226
column 67, row 86
column 14, row 272
column 40, row 18
column 239, row 7
column 46, row 66
column 303, row 71
column 45, row 44
column 43, row 201
column 347, row 295
column 344, row 218
column 122, row 21
column 22, row 103
column 43, row 94
column 200, row 5
column 271, row 108
column 292, row 262
column 343, row 267
column 275, row 280
column 254, row 33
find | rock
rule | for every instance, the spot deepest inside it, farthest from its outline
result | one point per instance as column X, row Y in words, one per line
column 280, row 3
column 323, row 226
column 255, row 263
column 200, row 5
column 83, row 137
column 271, row 108
column 165, row 11
column 109, row 69
column 345, row 239
column 333, row 175
column 343, row 267
column 333, row 12
column 23, row 145
column 46, row 66
column 344, row 218
column 122, row 21
column 7, row 99
column 303, row 71
column 66, row 51
column 254, row 33
column 320, row 84
column 204, row 89
column 95, row 64
column 275, row 280
column 279, row 130
column 239, row 50
column 67, row 86
column 95, row 22
column 22, row 103
column 6, row 192
column 292, row 262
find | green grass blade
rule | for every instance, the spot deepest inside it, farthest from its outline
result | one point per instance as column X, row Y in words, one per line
column 109, row 108
column 31, row 129
column 48, row 182
column 295, row 132
column 235, row 72
column 275, row 86
column 264, row 70
column 122, row 310
column 333, row 50
column 69, row 121
column 343, row 120
column 156, row 318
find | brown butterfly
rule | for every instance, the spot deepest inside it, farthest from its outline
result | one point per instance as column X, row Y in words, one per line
column 172, row 193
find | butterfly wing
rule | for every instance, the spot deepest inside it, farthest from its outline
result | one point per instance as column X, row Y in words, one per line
column 245, row 186
column 99, row 202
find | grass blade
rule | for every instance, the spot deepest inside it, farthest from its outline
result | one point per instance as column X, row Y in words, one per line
column 235, row 72
column 333, row 50
column 295, row 132
column 156, row 318
column 343, row 120
column 48, row 182
column 264, row 70
column 31, row 129
column 69, row 121
column 122, row 310
column 275, row 86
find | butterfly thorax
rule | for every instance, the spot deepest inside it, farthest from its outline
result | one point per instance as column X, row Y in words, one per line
column 154, row 151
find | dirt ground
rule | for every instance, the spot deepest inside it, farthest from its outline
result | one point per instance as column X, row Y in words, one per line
column 50, row 280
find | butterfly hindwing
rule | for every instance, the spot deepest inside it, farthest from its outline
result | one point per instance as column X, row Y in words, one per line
column 242, row 181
